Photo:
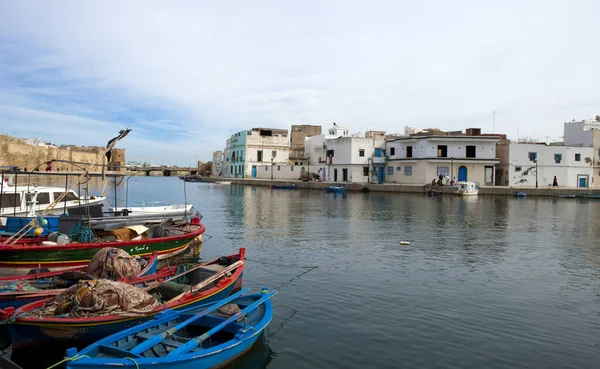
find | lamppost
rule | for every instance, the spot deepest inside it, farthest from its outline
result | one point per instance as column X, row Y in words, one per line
column 369, row 170
column 536, row 173
column 271, row 169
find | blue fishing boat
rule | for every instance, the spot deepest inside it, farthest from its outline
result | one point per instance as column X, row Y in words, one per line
column 284, row 187
column 520, row 194
column 336, row 189
column 206, row 337
column 589, row 195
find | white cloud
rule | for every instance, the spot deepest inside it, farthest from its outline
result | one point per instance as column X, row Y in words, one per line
column 227, row 66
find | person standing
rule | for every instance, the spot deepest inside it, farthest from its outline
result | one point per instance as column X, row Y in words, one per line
column 555, row 182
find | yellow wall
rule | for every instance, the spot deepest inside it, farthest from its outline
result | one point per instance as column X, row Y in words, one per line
column 14, row 151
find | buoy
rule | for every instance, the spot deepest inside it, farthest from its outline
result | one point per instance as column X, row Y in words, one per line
column 38, row 231
column 44, row 222
column 404, row 242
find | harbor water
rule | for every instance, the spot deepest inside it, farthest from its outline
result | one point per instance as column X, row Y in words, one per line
column 488, row 282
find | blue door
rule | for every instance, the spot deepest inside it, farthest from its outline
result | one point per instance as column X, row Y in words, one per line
column 462, row 173
column 380, row 175
column 254, row 171
column 582, row 182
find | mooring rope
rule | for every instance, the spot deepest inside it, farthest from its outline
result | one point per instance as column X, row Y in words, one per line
column 76, row 357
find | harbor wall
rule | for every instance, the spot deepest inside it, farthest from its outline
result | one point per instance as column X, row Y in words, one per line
column 405, row 188
column 17, row 152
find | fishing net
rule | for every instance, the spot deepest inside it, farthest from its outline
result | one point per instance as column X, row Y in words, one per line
column 99, row 297
column 113, row 263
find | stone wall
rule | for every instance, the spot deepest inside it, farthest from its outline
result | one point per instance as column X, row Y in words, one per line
column 16, row 152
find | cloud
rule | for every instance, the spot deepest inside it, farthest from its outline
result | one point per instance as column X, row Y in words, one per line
column 184, row 75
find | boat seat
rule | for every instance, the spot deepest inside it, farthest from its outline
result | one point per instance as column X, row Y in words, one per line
column 166, row 341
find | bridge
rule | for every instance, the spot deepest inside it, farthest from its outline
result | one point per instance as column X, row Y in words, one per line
column 166, row 171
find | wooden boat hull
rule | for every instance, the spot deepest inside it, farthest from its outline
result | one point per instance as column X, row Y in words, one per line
column 214, row 357
column 335, row 189
column 520, row 194
column 21, row 258
column 17, row 299
column 565, row 196
column 28, row 331
column 434, row 193
column 590, row 195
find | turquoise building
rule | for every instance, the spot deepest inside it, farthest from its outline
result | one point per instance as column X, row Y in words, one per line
column 235, row 155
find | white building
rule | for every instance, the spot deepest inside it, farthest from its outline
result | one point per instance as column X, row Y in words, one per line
column 522, row 164
column 420, row 159
column 338, row 157
column 580, row 133
column 266, row 147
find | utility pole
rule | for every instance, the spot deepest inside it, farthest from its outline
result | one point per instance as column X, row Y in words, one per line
column 271, row 169
column 536, row 173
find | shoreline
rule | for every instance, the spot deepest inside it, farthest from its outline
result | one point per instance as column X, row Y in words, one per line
column 406, row 188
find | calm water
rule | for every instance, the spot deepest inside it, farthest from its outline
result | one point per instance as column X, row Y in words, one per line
column 489, row 282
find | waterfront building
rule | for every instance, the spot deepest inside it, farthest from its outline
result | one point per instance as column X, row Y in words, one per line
column 339, row 157
column 525, row 164
column 419, row 158
column 585, row 133
column 248, row 152
column 298, row 135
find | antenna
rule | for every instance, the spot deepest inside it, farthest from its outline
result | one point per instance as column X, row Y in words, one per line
column 493, row 121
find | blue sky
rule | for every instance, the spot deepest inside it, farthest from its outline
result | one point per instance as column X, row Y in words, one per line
column 186, row 74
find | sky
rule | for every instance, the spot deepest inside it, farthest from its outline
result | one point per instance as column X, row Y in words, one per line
column 184, row 75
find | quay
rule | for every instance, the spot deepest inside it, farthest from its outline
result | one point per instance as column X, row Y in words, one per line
column 405, row 188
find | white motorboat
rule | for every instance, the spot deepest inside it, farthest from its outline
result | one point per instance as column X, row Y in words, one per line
column 467, row 189
column 168, row 211
column 21, row 201
column 223, row 182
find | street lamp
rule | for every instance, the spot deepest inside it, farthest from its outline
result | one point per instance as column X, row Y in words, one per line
column 271, row 169
column 536, row 173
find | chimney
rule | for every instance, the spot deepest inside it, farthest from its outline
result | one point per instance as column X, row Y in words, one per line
column 473, row 131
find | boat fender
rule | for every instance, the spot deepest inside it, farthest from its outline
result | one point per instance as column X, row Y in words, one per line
column 404, row 242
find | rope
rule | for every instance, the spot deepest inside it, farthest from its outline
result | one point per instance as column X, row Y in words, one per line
column 283, row 265
column 132, row 359
column 82, row 233
column 76, row 357
column 269, row 335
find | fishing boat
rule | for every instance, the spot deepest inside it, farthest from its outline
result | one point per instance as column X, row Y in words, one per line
column 206, row 337
column 23, row 201
column 198, row 285
column 520, row 194
column 168, row 211
column 284, row 187
column 337, row 188
column 41, row 284
column 30, row 253
column 467, row 189
column 224, row 183
column 590, row 195
column 565, row 195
